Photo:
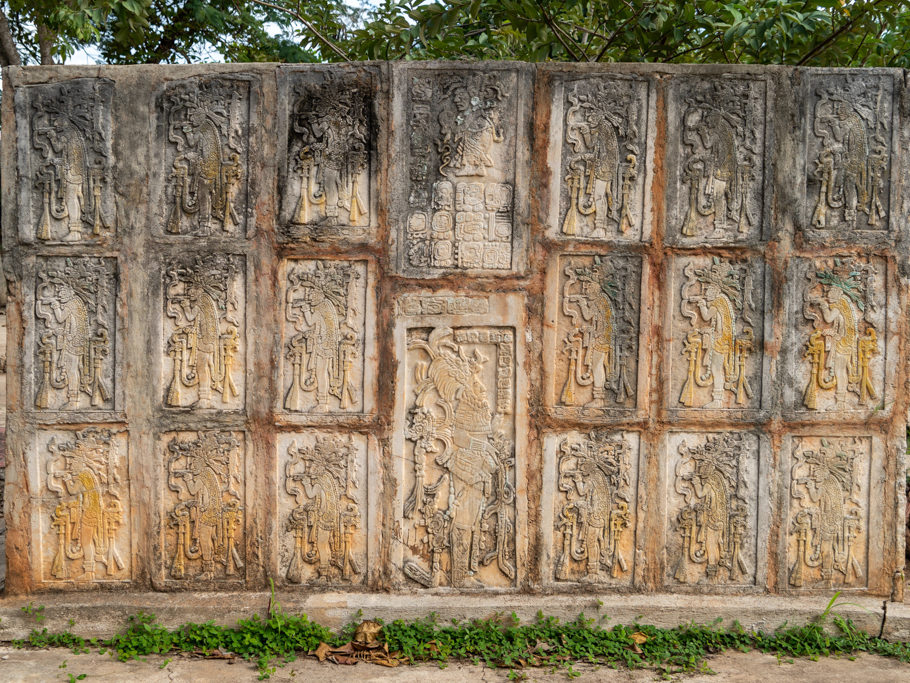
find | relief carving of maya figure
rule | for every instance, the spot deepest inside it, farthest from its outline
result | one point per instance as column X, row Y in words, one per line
column 852, row 161
column 467, row 512
column 469, row 125
column 200, row 301
column 71, row 301
column 328, row 154
column 602, row 131
column 323, row 480
column 824, row 488
column 203, row 475
column 838, row 303
column 714, row 520
column 717, row 302
column 71, row 134
column 594, row 478
column 601, row 301
column 721, row 136
column 83, row 474
column 319, row 305
column 206, row 126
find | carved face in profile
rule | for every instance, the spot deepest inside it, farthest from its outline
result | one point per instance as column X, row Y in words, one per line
column 712, row 291
column 462, row 99
column 313, row 296
column 834, row 294
column 704, row 469
column 64, row 292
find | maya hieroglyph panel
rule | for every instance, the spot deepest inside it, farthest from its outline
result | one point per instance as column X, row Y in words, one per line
column 204, row 332
column 83, row 508
column 203, row 506
column 712, row 508
column 324, row 310
column 458, row 516
column 462, row 132
column 322, row 508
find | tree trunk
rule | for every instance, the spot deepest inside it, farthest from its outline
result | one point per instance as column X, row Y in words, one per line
column 9, row 56
column 46, row 44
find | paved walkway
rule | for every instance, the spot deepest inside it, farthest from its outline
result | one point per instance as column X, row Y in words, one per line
column 59, row 665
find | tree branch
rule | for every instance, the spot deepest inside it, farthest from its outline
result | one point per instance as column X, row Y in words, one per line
column 312, row 29
column 554, row 28
column 9, row 55
column 819, row 47
column 46, row 39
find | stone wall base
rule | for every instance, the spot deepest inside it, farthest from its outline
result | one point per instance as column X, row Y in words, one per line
column 102, row 615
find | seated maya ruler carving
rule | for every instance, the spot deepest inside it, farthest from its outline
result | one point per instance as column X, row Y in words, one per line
column 432, row 329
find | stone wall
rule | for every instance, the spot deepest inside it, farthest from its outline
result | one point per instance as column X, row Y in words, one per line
column 446, row 327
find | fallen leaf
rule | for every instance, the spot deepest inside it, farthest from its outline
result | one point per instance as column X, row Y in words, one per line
column 322, row 651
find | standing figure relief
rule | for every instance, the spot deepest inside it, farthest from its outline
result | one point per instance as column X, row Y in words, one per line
column 463, row 493
column 714, row 521
column 852, row 132
column 329, row 155
column 828, row 521
column 84, row 475
column 600, row 301
column 838, row 303
column 595, row 483
column 602, row 159
column 323, row 480
column 207, row 135
column 70, row 131
column 717, row 301
column 204, row 476
column 201, row 302
column 722, row 130
column 321, row 305
column 73, row 298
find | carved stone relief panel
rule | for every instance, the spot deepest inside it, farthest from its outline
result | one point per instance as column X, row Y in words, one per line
column 330, row 169
column 715, row 348
column 590, row 506
column 68, row 189
column 204, row 130
column 716, row 165
column 457, row 425
column 322, row 508
column 828, row 517
column 602, row 125
column 203, row 506
column 460, row 132
column 204, row 340
column 75, row 333
column 837, row 309
column 83, row 508
column 848, row 154
column 324, row 306
column 712, row 508
column 596, row 309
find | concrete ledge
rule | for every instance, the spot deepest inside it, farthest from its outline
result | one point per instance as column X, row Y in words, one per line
column 102, row 615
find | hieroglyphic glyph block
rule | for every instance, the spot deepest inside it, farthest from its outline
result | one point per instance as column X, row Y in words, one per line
column 838, row 339
column 849, row 154
column 828, row 515
column 203, row 508
column 204, row 129
column 716, row 159
column 204, row 332
column 600, row 126
column 68, row 192
column 75, row 333
column 329, row 176
column 712, row 499
column 715, row 348
column 83, row 507
column 591, row 505
column 458, row 427
column 460, row 134
column 596, row 309
column 325, row 304
column 323, row 507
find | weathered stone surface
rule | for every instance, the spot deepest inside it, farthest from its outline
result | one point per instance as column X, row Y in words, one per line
column 442, row 328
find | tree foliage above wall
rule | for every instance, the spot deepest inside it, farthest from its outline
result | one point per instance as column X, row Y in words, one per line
column 833, row 33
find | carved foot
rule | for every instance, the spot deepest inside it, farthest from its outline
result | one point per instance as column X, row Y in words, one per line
column 73, row 236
